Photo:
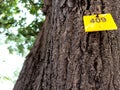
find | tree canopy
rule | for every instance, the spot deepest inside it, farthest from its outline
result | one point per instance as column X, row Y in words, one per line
column 14, row 24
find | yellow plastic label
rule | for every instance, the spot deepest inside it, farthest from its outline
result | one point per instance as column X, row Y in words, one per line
column 101, row 22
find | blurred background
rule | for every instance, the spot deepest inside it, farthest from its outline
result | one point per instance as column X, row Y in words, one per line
column 20, row 22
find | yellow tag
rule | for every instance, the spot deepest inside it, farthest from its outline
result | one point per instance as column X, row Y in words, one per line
column 102, row 22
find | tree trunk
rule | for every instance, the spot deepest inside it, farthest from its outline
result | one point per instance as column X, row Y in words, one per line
column 64, row 57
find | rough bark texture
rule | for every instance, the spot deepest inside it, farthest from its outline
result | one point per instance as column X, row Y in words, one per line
column 64, row 57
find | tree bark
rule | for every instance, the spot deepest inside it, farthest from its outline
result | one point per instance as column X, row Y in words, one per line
column 64, row 57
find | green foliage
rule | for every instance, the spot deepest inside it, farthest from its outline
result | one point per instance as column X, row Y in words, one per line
column 5, row 78
column 18, row 32
column 16, row 74
column 12, row 79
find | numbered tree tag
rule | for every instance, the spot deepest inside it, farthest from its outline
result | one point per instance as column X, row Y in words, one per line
column 101, row 22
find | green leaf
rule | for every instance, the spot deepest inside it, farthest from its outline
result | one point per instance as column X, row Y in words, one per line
column 18, row 34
